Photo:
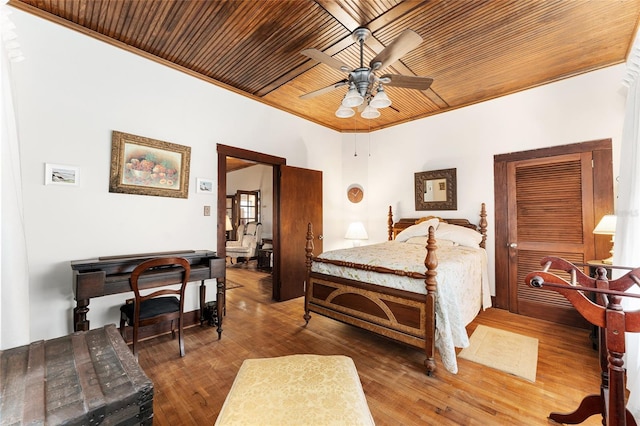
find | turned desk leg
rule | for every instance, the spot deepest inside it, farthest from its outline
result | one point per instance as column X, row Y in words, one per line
column 220, row 303
column 80, row 321
column 203, row 297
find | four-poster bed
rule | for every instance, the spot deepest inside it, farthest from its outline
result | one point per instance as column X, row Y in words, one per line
column 401, row 292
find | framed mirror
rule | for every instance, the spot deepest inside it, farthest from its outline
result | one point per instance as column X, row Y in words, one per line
column 436, row 190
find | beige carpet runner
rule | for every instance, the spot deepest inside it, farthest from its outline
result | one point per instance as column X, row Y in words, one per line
column 503, row 350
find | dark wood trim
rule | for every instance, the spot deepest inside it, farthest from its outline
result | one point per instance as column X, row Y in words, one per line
column 573, row 148
column 225, row 151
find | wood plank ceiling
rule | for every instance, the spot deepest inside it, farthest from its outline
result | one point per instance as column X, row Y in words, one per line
column 474, row 50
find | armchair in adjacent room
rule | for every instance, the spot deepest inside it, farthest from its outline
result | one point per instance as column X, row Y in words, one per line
column 247, row 243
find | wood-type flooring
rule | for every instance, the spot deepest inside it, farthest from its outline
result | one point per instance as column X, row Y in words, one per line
column 191, row 390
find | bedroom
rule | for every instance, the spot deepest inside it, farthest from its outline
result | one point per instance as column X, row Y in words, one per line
column 72, row 91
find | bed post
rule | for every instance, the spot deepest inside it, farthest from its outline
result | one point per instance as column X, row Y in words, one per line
column 483, row 225
column 309, row 255
column 431, row 262
column 390, row 224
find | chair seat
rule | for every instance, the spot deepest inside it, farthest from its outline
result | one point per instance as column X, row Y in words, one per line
column 151, row 308
column 242, row 250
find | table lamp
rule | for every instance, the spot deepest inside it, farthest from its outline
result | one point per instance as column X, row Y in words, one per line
column 607, row 226
column 356, row 232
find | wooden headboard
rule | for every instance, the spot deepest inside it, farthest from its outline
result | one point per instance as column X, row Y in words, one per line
column 394, row 228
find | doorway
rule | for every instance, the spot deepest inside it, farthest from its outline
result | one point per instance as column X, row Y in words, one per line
column 553, row 199
column 297, row 200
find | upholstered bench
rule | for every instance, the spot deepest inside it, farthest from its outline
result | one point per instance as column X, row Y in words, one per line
column 296, row 390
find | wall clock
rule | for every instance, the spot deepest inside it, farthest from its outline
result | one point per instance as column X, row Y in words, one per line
column 355, row 193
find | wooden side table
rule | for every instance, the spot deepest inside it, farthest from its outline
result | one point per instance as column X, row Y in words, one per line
column 264, row 259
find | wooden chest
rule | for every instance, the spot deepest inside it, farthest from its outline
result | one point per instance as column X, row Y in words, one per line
column 86, row 378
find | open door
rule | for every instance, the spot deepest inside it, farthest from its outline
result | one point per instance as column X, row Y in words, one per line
column 300, row 194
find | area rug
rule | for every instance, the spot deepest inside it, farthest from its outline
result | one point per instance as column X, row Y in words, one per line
column 503, row 350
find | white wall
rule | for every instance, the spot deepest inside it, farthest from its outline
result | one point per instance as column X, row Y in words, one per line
column 583, row 108
column 71, row 92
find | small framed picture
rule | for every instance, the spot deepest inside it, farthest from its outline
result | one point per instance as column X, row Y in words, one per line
column 59, row 174
column 204, row 186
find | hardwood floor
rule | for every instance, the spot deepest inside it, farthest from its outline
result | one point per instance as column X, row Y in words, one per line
column 191, row 390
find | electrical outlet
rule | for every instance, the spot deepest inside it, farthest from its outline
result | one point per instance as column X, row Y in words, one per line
column 207, row 210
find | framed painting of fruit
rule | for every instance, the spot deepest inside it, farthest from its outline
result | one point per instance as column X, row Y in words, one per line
column 144, row 166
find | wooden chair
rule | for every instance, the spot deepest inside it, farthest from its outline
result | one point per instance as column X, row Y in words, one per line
column 149, row 308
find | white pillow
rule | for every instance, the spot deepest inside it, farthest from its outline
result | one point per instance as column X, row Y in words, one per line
column 423, row 242
column 459, row 234
column 419, row 230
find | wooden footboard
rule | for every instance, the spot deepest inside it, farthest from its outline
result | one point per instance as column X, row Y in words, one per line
column 399, row 315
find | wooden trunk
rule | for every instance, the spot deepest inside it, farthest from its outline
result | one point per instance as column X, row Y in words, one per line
column 88, row 377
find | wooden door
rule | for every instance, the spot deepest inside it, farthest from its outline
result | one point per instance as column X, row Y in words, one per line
column 547, row 218
column 553, row 199
column 300, row 194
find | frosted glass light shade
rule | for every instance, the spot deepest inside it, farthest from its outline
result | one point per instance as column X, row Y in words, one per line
column 370, row 112
column 380, row 100
column 344, row 112
column 352, row 98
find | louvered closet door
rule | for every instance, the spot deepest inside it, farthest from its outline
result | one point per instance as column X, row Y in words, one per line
column 550, row 214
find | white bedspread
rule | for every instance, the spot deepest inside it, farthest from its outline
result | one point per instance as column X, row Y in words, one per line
column 463, row 284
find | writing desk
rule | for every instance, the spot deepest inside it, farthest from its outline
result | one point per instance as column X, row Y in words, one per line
column 110, row 275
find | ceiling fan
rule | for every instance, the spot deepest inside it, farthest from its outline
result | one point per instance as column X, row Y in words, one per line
column 362, row 81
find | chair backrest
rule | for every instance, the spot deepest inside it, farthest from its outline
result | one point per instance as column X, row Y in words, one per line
column 177, row 262
column 253, row 234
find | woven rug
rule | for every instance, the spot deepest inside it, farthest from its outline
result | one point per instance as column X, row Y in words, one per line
column 503, row 350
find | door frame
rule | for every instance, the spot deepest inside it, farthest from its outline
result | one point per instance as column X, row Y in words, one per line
column 602, row 155
column 225, row 151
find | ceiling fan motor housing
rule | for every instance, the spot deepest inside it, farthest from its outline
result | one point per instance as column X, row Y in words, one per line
column 362, row 78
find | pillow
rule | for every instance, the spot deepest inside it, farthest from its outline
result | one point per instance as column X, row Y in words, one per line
column 421, row 229
column 459, row 234
column 423, row 242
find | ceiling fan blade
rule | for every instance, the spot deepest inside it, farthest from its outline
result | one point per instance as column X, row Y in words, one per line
column 408, row 81
column 324, row 90
column 406, row 42
column 320, row 56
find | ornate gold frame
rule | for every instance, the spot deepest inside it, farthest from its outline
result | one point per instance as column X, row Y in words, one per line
column 145, row 166
column 421, row 179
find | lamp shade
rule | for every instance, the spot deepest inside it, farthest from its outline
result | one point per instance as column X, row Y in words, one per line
column 380, row 100
column 356, row 231
column 345, row 112
column 370, row 112
column 227, row 223
column 353, row 98
column 606, row 226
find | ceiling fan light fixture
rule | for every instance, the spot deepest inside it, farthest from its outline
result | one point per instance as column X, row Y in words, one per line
column 370, row 112
column 345, row 112
column 380, row 100
column 353, row 98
